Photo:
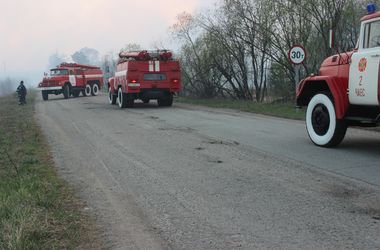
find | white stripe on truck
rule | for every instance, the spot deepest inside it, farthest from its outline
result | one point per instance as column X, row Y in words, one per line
column 157, row 66
column 121, row 73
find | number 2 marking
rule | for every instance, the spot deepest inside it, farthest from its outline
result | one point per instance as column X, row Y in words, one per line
column 360, row 80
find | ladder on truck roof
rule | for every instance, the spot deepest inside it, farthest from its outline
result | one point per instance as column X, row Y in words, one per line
column 146, row 55
column 77, row 65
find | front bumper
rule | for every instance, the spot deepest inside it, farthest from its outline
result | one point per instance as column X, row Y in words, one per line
column 50, row 88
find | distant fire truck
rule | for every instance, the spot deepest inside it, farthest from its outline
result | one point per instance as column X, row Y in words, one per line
column 145, row 75
column 72, row 79
column 347, row 90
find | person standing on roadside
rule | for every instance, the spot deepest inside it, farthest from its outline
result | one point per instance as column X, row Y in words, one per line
column 21, row 91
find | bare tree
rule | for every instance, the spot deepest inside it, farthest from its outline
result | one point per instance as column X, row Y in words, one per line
column 245, row 43
column 199, row 74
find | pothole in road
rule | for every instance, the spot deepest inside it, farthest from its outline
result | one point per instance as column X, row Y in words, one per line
column 343, row 192
column 187, row 130
column 220, row 142
column 374, row 213
column 215, row 161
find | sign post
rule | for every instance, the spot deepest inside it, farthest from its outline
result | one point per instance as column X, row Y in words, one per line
column 297, row 56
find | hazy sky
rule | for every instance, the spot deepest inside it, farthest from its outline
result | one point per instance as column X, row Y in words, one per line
column 31, row 30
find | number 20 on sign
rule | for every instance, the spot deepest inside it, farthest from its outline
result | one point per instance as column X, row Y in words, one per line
column 297, row 54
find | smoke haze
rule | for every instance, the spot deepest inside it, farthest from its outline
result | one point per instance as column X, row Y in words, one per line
column 31, row 31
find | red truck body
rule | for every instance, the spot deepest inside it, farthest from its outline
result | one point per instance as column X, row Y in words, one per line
column 72, row 79
column 145, row 75
column 346, row 92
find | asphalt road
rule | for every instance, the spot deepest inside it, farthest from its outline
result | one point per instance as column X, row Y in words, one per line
column 188, row 177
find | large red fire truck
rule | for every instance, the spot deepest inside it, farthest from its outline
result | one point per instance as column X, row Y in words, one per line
column 72, row 79
column 346, row 92
column 145, row 75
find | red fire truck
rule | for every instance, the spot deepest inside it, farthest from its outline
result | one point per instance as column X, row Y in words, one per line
column 145, row 75
column 346, row 92
column 72, row 79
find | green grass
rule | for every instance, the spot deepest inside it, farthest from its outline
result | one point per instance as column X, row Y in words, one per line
column 37, row 208
column 284, row 110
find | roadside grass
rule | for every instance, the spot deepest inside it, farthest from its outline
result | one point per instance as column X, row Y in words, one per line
column 37, row 208
column 283, row 110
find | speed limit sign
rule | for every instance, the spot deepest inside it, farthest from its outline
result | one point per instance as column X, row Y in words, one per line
column 297, row 54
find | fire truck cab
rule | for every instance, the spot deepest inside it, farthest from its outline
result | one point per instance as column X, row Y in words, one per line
column 346, row 92
column 72, row 79
column 145, row 75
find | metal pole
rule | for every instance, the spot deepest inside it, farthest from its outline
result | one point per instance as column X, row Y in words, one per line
column 297, row 74
column 296, row 79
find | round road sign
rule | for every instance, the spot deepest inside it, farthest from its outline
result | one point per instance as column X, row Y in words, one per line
column 297, row 54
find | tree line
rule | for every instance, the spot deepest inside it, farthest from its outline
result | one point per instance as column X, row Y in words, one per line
column 240, row 49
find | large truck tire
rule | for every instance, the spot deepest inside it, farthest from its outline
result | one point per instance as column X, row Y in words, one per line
column 322, row 126
column 169, row 101
column 161, row 102
column 87, row 90
column 121, row 99
column 66, row 91
column 111, row 97
column 94, row 89
column 75, row 93
column 130, row 101
column 165, row 102
column 45, row 95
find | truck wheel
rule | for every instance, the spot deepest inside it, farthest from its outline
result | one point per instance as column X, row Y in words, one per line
column 45, row 95
column 66, row 91
column 130, row 101
column 169, row 101
column 161, row 102
column 95, row 89
column 87, row 90
column 75, row 93
column 121, row 99
column 111, row 97
column 322, row 126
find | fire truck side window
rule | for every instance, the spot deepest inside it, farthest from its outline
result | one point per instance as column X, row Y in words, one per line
column 78, row 72
column 54, row 72
column 372, row 35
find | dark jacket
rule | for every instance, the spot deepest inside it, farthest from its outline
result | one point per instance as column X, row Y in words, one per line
column 21, row 90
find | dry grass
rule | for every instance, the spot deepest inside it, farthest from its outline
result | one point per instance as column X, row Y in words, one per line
column 284, row 110
column 37, row 209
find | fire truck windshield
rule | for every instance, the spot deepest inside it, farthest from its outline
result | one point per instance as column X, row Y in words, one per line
column 55, row 72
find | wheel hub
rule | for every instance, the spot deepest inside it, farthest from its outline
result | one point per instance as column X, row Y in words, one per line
column 320, row 119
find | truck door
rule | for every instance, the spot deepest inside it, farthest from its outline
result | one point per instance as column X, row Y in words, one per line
column 364, row 69
column 79, row 77
column 72, row 78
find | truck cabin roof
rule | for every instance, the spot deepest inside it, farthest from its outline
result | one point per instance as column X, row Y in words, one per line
column 370, row 16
